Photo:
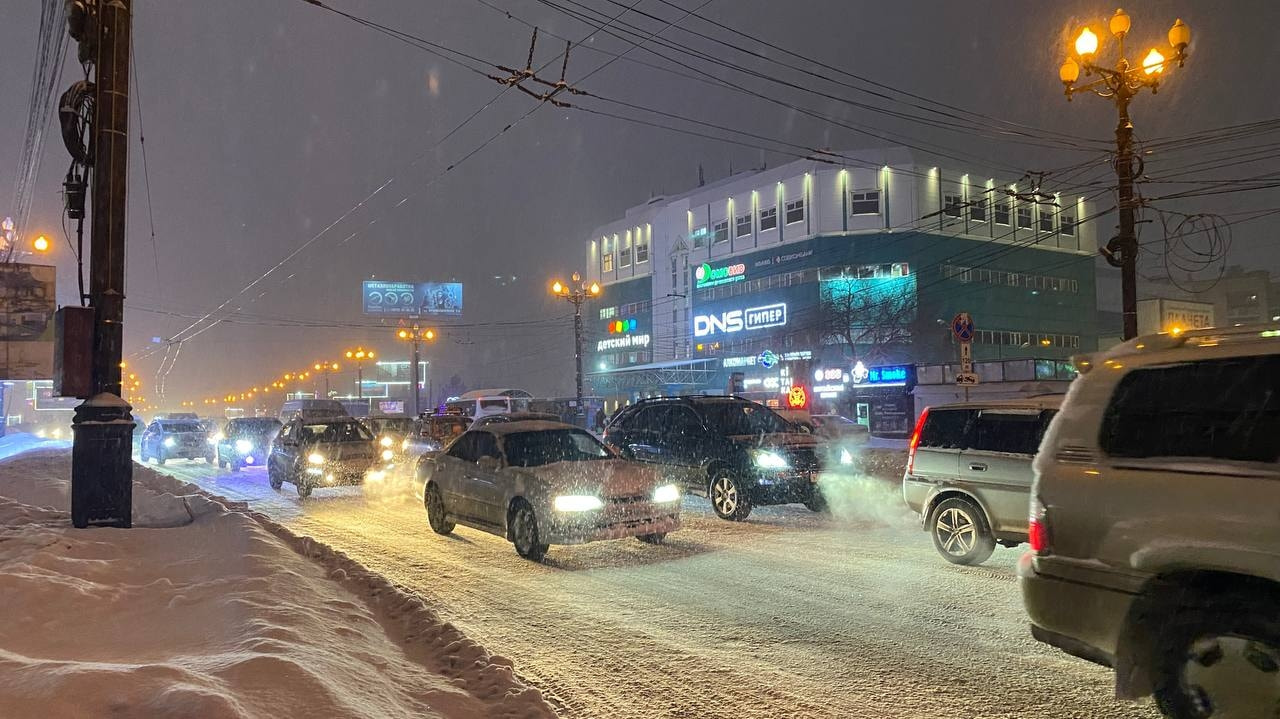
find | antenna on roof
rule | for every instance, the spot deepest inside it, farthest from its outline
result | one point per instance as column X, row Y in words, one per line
column 702, row 180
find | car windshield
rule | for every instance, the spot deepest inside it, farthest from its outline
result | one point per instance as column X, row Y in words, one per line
column 534, row 449
column 254, row 427
column 181, row 427
column 392, row 425
column 734, row 418
column 334, row 432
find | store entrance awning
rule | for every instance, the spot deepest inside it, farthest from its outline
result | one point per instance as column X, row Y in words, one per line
column 682, row 372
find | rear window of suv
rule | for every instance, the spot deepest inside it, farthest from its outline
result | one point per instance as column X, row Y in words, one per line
column 1217, row 409
column 945, row 428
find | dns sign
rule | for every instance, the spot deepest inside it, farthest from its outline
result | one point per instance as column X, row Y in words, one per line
column 797, row 397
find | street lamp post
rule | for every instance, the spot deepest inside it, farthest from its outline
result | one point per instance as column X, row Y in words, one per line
column 325, row 368
column 417, row 336
column 359, row 355
column 1121, row 84
column 577, row 294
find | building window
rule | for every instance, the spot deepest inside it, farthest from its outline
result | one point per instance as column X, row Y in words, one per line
column 978, row 209
column 642, row 247
column 1024, row 217
column 606, row 255
column 1067, row 224
column 1046, row 219
column 624, row 252
column 768, row 218
column 1001, row 212
column 795, row 211
column 674, row 271
column 742, row 225
column 951, row 205
column 699, row 235
column 864, row 202
column 607, row 312
column 721, row 233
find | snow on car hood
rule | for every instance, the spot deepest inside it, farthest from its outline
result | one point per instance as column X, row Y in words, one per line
column 613, row 477
column 780, row 439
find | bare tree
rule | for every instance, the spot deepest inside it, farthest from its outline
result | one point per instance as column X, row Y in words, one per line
column 868, row 317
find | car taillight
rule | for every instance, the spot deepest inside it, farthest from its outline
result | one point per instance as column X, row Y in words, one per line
column 915, row 440
column 1038, row 527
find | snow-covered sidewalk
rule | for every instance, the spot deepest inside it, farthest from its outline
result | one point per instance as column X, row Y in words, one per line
column 207, row 610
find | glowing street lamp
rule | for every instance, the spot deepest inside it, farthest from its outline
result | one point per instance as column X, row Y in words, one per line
column 40, row 244
column 360, row 355
column 1120, row 84
column 417, row 335
column 576, row 294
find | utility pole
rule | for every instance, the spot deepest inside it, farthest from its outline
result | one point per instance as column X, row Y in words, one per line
column 1121, row 84
column 101, row 465
column 577, row 295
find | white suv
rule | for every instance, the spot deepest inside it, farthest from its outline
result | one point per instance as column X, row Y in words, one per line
column 1155, row 521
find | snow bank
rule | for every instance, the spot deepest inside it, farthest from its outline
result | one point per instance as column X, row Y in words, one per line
column 211, row 611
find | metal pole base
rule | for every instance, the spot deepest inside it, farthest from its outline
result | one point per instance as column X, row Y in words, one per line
column 102, row 463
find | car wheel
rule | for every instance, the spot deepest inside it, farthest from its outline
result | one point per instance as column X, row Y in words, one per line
column 209, row 459
column 160, row 459
column 304, row 488
column 273, row 477
column 233, row 465
column 436, row 514
column 727, row 498
column 1219, row 660
column 524, row 533
column 655, row 538
column 142, row 456
column 960, row 532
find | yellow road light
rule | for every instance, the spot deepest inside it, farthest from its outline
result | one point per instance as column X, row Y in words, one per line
column 1069, row 72
column 1179, row 35
column 1153, row 63
column 1119, row 24
column 1086, row 43
column 403, row 334
column 557, row 288
column 595, row 288
column 40, row 244
column 316, row 367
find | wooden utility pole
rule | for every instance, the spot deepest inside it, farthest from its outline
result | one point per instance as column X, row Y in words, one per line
column 102, row 467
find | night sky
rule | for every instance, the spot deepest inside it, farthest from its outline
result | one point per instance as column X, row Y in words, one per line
column 266, row 121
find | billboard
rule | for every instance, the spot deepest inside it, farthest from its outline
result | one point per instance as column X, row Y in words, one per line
column 27, row 303
column 412, row 299
column 1166, row 315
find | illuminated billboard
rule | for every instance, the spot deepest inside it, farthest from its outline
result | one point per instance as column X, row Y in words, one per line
column 412, row 299
column 27, row 302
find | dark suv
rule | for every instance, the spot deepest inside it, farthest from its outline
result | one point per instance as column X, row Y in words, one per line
column 734, row 451
column 246, row 441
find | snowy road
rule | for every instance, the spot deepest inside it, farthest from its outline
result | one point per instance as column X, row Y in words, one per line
column 786, row 615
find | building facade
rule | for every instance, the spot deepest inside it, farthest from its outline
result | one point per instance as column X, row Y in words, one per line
column 813, row 275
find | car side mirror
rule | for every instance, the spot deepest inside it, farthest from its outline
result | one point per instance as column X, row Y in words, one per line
column 489, row 464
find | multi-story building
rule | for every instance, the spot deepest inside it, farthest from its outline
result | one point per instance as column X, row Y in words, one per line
column 831, row 270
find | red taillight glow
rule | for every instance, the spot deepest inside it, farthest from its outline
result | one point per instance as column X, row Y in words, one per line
column 915, row 440
column 1038, row 528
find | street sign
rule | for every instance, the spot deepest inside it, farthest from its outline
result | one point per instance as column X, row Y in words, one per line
column 962, row 327
column 966, row 378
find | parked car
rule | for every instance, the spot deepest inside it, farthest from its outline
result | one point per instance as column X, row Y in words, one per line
column 736, row 452
column 539, row 483
column 969, row 473
column 166, row 439
column 489, row 419
column 310, row 453
column 1155, row 536
column 246, row 441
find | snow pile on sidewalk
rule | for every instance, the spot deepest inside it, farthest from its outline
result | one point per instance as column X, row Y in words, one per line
column 221, row 614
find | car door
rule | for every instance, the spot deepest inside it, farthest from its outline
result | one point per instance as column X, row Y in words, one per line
column 451, row 465
column 482, row 479
column 996, row 464
column 284, row 449
column 688, row 448
column 637, row 438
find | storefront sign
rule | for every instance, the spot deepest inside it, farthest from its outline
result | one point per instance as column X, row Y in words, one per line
column 707, row 276
column 887, row 376
column 617, row 327
column 767, row 359
column 1165, row 315
column 780, row 259
column 797, row 397
column 755, row 318
column 624, row 342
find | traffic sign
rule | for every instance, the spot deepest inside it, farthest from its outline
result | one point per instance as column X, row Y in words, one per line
column 966, row 378
column 962, row 327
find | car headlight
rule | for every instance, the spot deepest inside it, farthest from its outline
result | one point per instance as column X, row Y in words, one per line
column 170, row 441
column 846, row 458
column 244, row 446
column 386, row 441
column 315, row 458
column 766, row 459
column 577, row 503
column 404, row 444
column 387, row 455
column 666, row 493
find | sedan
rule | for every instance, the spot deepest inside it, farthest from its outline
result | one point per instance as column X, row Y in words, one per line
column 538, row 483
column 311, row 453
column 246, row 441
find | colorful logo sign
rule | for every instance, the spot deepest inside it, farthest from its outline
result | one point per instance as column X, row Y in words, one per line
column 755, row 318
column 767, row 359
column 797, row 397
column 707, row 276
column 618, row 327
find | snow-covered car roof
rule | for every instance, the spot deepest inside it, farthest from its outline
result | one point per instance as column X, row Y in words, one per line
column 539, row 425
